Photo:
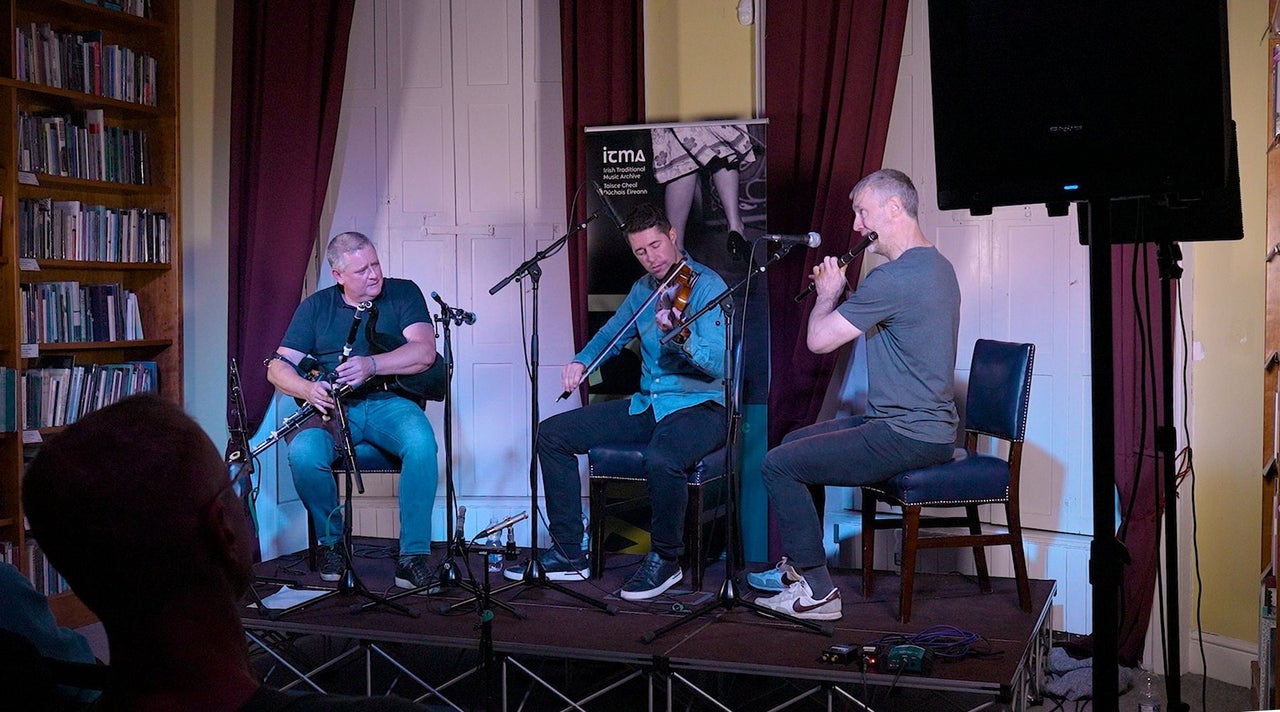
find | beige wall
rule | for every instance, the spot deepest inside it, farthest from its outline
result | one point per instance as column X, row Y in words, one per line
column 699, row 62
column 205, row 47
column 1227, row 324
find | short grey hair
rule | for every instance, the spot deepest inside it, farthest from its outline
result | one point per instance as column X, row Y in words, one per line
column 344, row 244
column 887, row 183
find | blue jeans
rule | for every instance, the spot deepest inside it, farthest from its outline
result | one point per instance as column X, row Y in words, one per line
column 845, row 452
column 395, row 425
column 675, row 444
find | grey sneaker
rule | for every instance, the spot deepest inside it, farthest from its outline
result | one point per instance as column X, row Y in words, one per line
column 412, row 571
column 654, row 576
column 332, row 566
column 798, row 601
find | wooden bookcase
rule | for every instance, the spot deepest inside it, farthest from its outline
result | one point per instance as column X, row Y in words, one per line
column 1268, row 659
column 150, row 127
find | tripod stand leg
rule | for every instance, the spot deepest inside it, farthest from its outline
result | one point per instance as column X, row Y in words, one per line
column 728, row 599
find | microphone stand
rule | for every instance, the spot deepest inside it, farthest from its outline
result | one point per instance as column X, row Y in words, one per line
column 534, row 574
column 728, row 597
column 351, row 583
column 449, row 574
column 240, row 463
column 449, row 568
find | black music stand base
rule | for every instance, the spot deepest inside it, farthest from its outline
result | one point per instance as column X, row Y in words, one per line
column 536, row 577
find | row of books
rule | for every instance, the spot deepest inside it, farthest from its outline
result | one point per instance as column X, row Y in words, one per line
column 69, row 230
column 82, row 145
column 141, row 8
column 69, row 312
column 56, row 396
column 44, row 578
column 79, row 61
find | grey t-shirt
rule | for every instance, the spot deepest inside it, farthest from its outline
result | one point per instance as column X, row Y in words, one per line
column 909, row 312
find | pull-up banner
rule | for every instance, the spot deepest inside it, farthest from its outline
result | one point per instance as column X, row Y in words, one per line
column 710, row 178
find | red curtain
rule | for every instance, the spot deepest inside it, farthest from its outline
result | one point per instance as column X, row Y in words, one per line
column 289, row 61
column 1139, row 403
column 602, row 57
column 830, row 71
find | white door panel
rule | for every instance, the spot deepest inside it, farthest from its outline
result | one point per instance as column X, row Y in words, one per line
column 420, row 103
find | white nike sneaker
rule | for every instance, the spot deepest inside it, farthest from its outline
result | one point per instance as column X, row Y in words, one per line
column 797, row 600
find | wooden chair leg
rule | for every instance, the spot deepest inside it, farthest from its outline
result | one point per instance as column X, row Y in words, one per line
column 910, row 536
column 868, row 542
column 693, row 534
column 1019, row 555
column 979, row 553
column 597, row 502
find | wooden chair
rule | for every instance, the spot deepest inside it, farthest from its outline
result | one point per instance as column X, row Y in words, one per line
column 996, row 407
column 616, row 464
column 371, row 460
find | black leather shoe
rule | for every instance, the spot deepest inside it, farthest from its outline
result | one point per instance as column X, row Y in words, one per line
column 412, row 571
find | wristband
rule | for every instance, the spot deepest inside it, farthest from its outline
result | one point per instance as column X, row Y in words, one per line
column 374, row 361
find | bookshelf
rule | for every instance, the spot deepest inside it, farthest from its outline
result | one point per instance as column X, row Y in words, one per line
column 89, row 196
column 1268, row 661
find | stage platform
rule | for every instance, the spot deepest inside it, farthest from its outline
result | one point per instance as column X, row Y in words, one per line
column 555, row 652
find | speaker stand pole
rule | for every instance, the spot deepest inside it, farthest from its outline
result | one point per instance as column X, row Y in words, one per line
column 1106, row 555
column 1167, row 256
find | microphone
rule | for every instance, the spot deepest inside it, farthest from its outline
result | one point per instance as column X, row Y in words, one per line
column 494, row 529
column 608, row 206
column 355, row 329
column 458, row 316
column 457, row 532
column 844, row 259
column 812, row 239
column 512, row 551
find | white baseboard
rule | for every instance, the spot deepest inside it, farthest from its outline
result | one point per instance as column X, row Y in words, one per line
column 1227, row 659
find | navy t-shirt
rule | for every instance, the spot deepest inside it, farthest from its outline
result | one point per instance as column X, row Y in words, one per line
column 322, row 322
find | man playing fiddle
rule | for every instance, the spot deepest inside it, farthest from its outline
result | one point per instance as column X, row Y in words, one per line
column 678, row 412
column 394, row 338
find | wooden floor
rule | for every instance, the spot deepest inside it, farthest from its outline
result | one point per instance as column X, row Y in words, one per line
column 710, row 649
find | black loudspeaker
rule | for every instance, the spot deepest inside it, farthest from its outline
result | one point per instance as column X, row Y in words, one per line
column 1211, row 214
column 1055, row 101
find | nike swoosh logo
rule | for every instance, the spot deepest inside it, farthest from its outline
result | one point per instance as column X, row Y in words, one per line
column 799, row 607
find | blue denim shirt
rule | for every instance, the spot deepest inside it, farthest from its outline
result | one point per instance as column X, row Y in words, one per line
column 671, row 377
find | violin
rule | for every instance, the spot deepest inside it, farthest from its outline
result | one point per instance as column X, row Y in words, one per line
column 672, row 292
column 678, row 293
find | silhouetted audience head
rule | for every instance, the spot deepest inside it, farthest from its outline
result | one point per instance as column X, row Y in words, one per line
column 133, row 504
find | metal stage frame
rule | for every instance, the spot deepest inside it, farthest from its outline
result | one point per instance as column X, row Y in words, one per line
column 702, row 668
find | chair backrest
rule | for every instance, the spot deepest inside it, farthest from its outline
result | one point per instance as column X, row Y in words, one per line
column 999, row 389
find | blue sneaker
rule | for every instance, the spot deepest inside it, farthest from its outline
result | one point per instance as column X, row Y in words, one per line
column 556, row 565
column 775, row 580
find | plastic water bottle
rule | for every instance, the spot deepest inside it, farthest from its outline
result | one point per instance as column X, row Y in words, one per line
column 494, row 544
column 586, row 534
column 1148, row 693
